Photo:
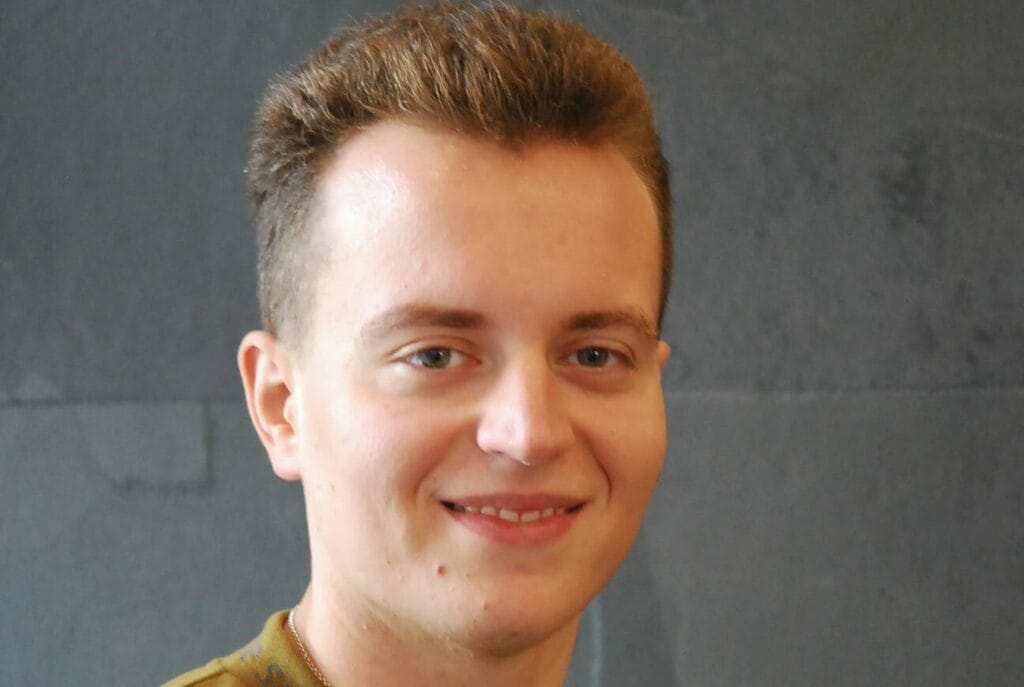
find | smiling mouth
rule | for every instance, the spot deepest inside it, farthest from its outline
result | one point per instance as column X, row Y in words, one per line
column 511, row 515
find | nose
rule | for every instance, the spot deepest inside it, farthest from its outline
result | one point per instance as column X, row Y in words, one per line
column 524, row 417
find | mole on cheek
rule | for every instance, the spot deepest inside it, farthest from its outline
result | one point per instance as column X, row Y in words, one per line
column 440, row 569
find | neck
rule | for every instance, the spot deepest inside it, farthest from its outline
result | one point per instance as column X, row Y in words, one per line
column 351, row 647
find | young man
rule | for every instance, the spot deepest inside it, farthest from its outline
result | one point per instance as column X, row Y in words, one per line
column 463, row 224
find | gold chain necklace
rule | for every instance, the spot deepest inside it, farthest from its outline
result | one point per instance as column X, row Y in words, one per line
column 293, row 631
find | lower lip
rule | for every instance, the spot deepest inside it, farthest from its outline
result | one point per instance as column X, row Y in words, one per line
column 536, row 533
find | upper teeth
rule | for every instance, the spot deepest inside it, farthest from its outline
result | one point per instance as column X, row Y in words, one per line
column 510, row 515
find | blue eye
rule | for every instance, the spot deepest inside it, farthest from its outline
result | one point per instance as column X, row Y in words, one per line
column 436, row 358
column 593, row 357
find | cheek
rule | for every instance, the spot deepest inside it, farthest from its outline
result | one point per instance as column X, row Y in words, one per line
column 632, row 448
column 371, row 458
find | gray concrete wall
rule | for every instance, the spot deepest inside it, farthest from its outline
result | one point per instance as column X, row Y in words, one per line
column 843, row 502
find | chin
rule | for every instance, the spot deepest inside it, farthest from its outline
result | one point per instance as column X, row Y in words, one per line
column 504, row 628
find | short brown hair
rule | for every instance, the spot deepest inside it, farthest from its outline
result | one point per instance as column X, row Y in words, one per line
column 507, row 74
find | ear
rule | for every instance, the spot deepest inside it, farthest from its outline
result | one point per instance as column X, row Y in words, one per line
column 664, row 351
column 267, row 377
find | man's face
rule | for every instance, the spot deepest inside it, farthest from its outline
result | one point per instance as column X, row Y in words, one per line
column 478, row 408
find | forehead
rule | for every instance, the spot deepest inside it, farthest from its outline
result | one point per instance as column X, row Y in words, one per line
column 394, row 163
column 405, row 207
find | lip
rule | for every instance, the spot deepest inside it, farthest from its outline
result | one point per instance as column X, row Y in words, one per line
column 536, row 533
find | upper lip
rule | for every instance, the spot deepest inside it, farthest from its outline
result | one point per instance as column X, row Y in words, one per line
column 516, row 502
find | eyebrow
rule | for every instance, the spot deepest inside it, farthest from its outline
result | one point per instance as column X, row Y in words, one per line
column 420, row 315
column 603, row 319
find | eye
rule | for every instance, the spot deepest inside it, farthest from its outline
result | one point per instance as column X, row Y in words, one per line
column 595, row 356
column 437, row 358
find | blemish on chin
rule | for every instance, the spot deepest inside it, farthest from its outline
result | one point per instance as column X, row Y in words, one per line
column 440, row 569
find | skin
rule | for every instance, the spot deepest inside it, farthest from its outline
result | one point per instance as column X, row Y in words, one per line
column 482, row 325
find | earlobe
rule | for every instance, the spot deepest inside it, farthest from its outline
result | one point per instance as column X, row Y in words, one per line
column 267, row 378
column 664, row 351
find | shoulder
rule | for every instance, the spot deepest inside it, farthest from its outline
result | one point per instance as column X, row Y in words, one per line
column 213, row 674
column 267, row 661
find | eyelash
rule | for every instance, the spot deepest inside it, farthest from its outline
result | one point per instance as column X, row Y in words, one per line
column 451, row 352
column 609, row 356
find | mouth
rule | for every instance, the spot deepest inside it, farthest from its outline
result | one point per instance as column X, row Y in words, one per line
column 514, row 519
